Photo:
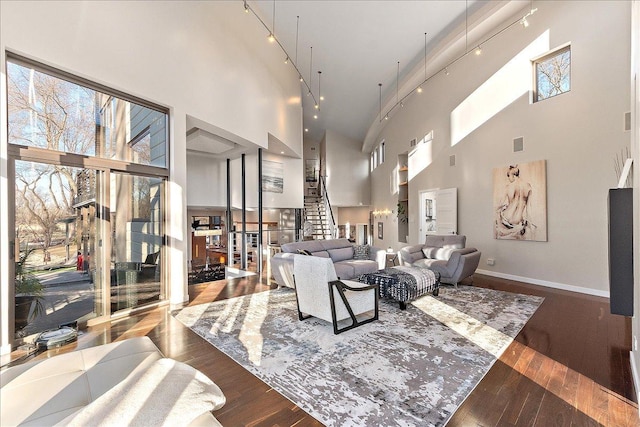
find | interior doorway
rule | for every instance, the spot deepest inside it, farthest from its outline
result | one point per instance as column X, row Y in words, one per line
column 438, row 212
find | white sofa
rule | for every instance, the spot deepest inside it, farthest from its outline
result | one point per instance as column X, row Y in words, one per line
column 122, row 383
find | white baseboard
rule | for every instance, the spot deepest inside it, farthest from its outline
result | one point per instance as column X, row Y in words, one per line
column 634, row 370
column 546, row 283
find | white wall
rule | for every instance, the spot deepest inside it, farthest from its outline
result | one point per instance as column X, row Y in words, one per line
column 578, row 133
column 204, row 59
column 347, row 171
column 293, row 182
column 207, row 181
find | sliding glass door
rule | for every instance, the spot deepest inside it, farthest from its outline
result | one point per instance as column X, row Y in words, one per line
column 136, row 244
column 58, row 276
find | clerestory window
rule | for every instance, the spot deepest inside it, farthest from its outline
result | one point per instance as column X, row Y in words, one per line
column 552, row 74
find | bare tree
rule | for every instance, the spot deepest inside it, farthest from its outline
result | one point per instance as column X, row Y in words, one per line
column 47, row 112
column 553, row 75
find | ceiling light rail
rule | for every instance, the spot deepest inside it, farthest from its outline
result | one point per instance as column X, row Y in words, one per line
column 273, row 38
column 476, row 49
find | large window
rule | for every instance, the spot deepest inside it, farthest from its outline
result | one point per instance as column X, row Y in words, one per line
column 553, row 74
column 53, row 112
column 89, row 203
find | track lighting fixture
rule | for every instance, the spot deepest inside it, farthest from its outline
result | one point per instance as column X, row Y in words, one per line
column 272, row 36
column 477, row 51
column 380, row 99
column 319, row 89
column 288, row 58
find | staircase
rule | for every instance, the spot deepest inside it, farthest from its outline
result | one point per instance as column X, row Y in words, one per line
column 315, row 213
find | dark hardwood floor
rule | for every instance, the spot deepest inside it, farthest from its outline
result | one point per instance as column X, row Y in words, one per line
column 569, row 366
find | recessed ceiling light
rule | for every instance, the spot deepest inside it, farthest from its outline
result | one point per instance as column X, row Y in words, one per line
column 282, row 152
column 306, row 129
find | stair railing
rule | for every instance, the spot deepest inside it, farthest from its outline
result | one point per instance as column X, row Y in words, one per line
column 327, row 205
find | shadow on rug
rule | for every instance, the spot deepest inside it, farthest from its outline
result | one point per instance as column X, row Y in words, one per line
column 412, row 367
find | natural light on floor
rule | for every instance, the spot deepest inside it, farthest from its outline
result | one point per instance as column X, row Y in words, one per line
column 250, row 333
column 484, row 336
column 495, row 342
column 498, row 92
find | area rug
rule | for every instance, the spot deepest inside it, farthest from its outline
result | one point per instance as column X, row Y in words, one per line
column 410, row 368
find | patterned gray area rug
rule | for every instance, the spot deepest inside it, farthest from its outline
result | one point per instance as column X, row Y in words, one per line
column 410, row 368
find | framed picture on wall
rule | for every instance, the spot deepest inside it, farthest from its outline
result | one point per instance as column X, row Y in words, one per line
column 380, row 233
column 520, row 201
column 272, row 176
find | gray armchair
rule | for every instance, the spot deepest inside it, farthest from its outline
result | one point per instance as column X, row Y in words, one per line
column 445, row 254
column 461, row 264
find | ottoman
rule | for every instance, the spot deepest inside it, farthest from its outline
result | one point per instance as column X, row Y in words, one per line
column 403, row 284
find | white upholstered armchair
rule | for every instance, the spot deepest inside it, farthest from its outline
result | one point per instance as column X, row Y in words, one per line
column 320, row 294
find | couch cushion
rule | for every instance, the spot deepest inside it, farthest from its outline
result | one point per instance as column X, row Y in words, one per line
column 61, row 385
column 445, row 240
column 166, row 393
column 335, row 244
column 363, row 266
column 341, row 254
column 321, row 254
column 429, row 263
column 309, row 245
column 344, row 270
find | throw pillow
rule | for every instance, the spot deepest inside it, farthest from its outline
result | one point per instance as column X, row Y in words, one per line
column 304, row 252
column 360, row 251
column 430, row 252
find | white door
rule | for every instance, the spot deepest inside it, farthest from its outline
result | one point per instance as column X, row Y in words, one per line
column 447, row 211
column 427, row 212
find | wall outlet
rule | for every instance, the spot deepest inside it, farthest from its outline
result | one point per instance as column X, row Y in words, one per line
column 491, row 261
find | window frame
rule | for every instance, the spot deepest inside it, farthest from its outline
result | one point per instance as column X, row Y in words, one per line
column 104, row 166
column 540, row 59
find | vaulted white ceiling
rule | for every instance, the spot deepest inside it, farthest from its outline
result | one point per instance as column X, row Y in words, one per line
column 358, row 44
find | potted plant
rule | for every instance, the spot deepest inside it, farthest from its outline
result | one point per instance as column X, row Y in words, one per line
column 402, row 212
column 29, row 293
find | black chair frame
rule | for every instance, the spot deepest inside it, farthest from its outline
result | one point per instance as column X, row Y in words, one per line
column 341, row 287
